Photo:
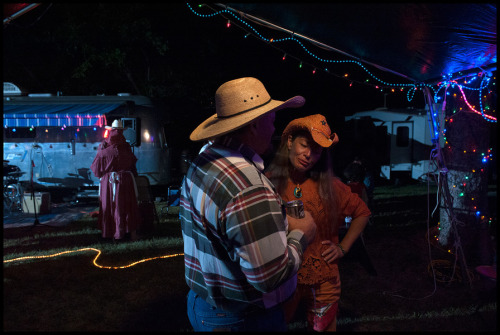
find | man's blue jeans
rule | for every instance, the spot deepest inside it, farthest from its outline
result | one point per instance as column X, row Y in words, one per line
column 205, row 317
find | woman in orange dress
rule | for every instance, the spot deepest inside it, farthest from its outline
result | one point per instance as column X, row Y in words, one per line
column 302, row 170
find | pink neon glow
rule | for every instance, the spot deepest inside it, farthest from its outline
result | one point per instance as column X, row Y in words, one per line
column 472, row 108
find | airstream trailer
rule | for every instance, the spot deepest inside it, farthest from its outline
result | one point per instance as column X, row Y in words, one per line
column 52, row 140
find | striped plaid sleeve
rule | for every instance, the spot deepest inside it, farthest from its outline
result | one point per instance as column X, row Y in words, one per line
column 256, row 235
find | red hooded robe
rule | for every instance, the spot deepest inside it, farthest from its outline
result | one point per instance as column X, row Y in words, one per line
column 115, row 165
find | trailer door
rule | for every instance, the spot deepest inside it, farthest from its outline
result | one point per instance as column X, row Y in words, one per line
column 401, row 146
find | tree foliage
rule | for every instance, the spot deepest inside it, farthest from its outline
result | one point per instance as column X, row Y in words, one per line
column 87, row 49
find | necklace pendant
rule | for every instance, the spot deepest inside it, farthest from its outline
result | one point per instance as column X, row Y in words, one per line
column 297, row 192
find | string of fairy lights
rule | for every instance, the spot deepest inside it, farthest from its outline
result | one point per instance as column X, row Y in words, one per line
column 250, row 30
column 459, row 191
column 487, row 85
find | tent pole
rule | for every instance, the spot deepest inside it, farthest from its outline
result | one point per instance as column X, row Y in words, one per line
column 320, row 44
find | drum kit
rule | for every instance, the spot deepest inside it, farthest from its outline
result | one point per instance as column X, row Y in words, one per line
column 13, row 192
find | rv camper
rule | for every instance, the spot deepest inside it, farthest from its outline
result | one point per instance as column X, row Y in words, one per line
column 50, row 141
column 408, row 142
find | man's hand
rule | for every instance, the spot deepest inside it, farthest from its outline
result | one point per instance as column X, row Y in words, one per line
column 306, row 225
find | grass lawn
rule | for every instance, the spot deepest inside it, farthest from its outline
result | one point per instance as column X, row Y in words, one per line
column 78, row 291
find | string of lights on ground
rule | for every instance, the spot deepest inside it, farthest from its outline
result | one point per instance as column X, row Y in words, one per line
column 95, row 259
column 461, row 311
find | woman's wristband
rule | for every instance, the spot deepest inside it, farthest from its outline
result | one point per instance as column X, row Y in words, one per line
column 341, row 249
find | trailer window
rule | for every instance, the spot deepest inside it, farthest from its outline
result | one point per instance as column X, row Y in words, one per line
column 403, row 137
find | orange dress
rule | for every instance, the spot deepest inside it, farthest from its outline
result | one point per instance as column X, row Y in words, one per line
column 314, row 269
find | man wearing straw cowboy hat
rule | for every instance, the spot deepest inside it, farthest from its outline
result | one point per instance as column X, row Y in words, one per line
column 241, row 251
column 115, row 165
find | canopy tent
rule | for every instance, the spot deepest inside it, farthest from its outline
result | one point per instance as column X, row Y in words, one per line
column 404, row 47
column 413, row 46
column 420, row 42
column 50, row 115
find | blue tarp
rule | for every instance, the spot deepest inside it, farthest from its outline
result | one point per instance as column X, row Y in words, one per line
column 49, row 115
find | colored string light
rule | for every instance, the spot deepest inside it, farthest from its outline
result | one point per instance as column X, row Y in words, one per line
column 412, row 87
column 292, row 38
column 483, row 85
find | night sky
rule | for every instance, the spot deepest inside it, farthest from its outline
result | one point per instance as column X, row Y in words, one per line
column 202, row 54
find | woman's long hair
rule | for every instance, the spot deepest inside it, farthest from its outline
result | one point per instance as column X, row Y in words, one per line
column 322, row 172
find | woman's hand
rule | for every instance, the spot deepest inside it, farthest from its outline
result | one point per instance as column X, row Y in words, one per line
column 332, row 251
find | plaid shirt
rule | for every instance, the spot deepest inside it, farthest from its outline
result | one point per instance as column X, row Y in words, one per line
column 237, row 251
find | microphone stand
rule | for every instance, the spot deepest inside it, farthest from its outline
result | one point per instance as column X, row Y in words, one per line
column 37, row 222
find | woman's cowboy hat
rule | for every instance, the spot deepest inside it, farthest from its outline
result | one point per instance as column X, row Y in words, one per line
column 117, row 124
column 316, row 125
column 237, row 103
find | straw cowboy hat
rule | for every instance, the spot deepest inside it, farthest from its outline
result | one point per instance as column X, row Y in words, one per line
column 317, row 127
column 237, row 103
column 117, row 124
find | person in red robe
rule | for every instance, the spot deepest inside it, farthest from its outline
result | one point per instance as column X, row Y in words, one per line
column 115, row 165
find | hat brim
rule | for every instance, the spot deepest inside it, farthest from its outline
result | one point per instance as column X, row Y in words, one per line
column 215, row 126
column 323, row 141
column 319, row 138
column 109, row 127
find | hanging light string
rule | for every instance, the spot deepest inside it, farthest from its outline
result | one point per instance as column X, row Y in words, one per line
column 483, row 85
column 294, row 39
column 412, row 87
